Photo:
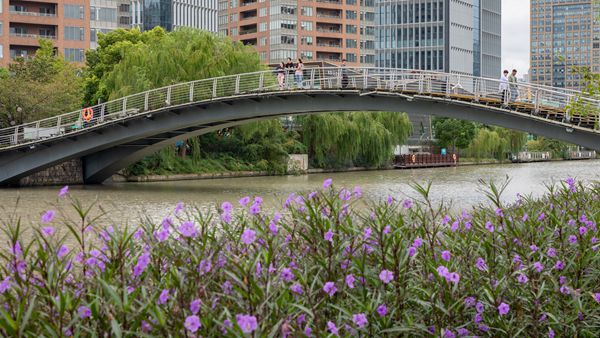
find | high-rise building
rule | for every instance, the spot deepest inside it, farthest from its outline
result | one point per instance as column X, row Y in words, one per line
column 103, row 18
column 565, row 35
column 173, row 14
column 23, row 23
column 456, row 36
column 321, row 30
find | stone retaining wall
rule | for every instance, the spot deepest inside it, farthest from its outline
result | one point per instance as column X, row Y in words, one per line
column 70, row 172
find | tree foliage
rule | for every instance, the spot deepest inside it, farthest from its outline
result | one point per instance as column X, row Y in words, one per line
column 348, row 139
column 40, row 87
column 453, row 133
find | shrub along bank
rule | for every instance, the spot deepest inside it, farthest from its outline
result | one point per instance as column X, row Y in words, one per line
column 321, row 266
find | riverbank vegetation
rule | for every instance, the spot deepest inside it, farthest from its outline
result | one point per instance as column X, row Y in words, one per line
column 323, row 265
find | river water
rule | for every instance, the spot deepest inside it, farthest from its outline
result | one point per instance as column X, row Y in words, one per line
column 127, row 202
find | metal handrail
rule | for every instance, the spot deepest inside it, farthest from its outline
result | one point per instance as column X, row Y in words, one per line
column 415, row 82
column 32, row 13
column 35, row 36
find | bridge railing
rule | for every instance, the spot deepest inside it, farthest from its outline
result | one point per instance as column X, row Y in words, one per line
column 409, row 82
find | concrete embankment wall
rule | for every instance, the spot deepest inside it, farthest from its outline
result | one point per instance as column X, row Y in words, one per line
column 70, row 172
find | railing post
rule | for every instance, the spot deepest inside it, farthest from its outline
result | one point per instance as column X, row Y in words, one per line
column 16, row 141
column 58, row 120
column 102, row 112
column 477, row 90
column 124, row 104
column 237, row 84
column 421, row 80
column 191, row 92
column 365, row 79
column 168, row 100
column 261, row 81
column 448, row 85
column 146, row 101
column 312, row 78
column 37, row 130
column 538, row 98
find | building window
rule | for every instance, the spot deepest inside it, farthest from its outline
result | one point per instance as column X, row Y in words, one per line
column 306, row 40
column 1, row 52
column 1, row 28
column 350, row 15
column 307, row 26
column 350, row 57
column 262, row 12
column 306, row 55
column 73, row 12
column 74, row 55
column 350, row 29
column 288, row 9
column 350, row 43
column 262, row 42
column 350, row 2
column 307, row 11
column 262, row 26
column 74, row 33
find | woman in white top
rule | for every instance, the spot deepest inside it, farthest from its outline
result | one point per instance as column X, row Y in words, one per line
column 299, row 73
column 504, row 86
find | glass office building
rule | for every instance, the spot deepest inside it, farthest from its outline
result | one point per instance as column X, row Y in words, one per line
column 565, row 35
column 173, row 14
column 461, row 37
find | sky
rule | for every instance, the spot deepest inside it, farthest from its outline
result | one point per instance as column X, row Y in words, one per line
column 515, row 35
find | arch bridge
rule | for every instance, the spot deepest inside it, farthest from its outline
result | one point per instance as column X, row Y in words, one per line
column 112, row 135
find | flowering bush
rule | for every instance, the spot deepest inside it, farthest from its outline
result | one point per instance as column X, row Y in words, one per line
column 320, row 267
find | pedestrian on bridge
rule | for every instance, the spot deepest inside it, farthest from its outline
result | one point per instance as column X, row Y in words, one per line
column 299, row 73
column 289, row 65
column 514, row 88
column 344, row 73
column 504, row 87
column 280, row 71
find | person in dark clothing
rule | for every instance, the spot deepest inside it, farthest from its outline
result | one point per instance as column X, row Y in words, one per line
column 280, row 71
column 344, row 72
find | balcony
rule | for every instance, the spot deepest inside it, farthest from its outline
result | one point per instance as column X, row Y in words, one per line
column 248, row 31
column 32, row 36
column 329, row 15
column 51, row 15
column 336, row 2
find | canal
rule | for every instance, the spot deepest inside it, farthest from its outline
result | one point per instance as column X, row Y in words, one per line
column 128, row 202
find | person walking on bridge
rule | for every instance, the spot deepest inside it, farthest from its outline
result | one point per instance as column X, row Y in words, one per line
column 299, row 73
column 280, row 70
column 344, row 73
column 514, row 87
column 504, row 87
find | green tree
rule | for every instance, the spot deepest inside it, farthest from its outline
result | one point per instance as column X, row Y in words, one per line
column 40, row 87
column 453, row 133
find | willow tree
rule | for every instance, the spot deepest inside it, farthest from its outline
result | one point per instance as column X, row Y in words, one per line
column 359, row 138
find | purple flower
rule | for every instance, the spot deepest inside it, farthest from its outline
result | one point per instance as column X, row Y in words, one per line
column 442, row 271
column 449, row 334
column 84, row 312
column 479, row 307
column 559, row 265
column 328, row 236
column 360, row 320
column 503, row 309
column 246, row 322
column 141, row 264
column 407, row 204
column 164, row 297
column 564, row 290
column 525, row 217
column 551, row 252
column 345, row 195
column 417, row 242
column 478, row 318
column 297, row 288
column 387, row 229
column 5, row 285
column 541, row 217
column 480, row 264
column 188, row 229
column 255, row 209
column 582, row 230
column 412, row 251
column 287, row 275
column 48, row 216
column 550, row 333
column 390, row 200
column 382, row 310
column 330, row 288
column 357, row 192
column 521, row 278
column 572, row 239
column 562, row 280
column 327, row 183
column 538, row 267
column 533, row 248
column 350, row 281
column 332, row 328
column 64, row 191
column 499, row 212
column 307, row 331
column 226, row 207
column 162, row 235
column 244, row 201
column 489, row 226
column 258, row 200
column 48, row 231
column 192, row 323
column 597, row 297
column 469, row 301
column 386, row 276
column 455, row 226
column 273, row 227
column 227, row 287
column 453, row 277
column 178, row 208
column 249, row 236
column 446, row 255
column 462, row 332
column 195, row 306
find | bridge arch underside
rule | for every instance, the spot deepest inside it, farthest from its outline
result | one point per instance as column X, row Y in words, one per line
column 106, row 150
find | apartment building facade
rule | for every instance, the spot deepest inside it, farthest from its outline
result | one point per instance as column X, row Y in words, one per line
column 457, row 36
column 22, row 23
column 321, row 30
column 565, row 35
